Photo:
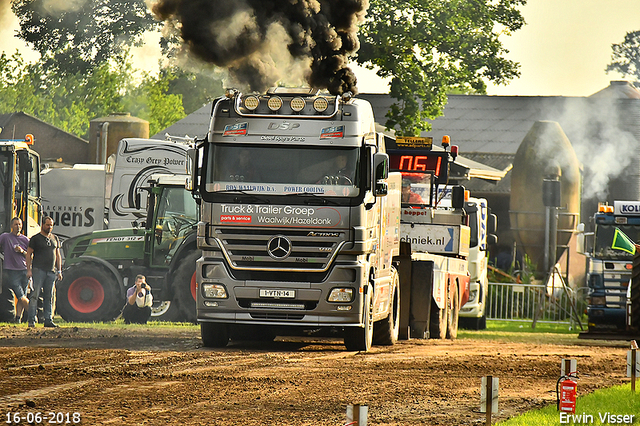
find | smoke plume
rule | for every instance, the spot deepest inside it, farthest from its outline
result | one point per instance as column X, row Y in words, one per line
column 5, row 10
column 262, row 42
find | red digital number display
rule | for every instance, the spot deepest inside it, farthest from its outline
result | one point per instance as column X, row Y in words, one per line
column 416, row 163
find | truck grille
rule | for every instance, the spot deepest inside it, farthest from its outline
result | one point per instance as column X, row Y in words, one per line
column 282, row 250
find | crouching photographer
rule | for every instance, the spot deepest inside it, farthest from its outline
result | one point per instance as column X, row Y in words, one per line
column 137, row 310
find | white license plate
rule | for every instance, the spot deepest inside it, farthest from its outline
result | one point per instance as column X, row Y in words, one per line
column 278, row 294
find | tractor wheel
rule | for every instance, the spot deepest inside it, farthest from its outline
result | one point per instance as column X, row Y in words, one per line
column 184, row 286
column 89, row 293
column 385, row 332
column 214, row 335
column 361, row 338
column 438, row 321
column 454, row 311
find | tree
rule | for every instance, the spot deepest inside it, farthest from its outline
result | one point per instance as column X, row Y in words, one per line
column 626, row 56
column 197, row 87
column 71, row 101
column 429, row 47
column 151, row 101
column 77, row 36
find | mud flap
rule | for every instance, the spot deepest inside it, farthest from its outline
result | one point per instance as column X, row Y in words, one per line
column 403, row 263
column 421, row 295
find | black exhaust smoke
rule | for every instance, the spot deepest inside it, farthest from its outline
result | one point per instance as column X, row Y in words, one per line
column 250, row 38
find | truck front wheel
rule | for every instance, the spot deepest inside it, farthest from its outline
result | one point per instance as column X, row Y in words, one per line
column 454, row 312
column 214, row 335
column 88, row 293
column 184, row 286
column 361, row 338
column 385, row 332
column 438, row 321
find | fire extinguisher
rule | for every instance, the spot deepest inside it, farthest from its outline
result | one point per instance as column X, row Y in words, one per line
column 566, row 392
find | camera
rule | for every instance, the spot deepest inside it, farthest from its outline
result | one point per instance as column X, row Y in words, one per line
column 143, row 286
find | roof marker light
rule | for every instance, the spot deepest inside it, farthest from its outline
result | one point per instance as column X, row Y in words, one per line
column 446, row 141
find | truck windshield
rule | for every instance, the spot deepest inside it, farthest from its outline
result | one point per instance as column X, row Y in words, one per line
column 416, row 189
column 283, row 170
column 604, row 239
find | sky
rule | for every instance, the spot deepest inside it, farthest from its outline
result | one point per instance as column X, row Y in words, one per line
column 563, row 49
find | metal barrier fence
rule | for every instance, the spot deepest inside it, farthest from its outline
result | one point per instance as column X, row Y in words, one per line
column 521, row 302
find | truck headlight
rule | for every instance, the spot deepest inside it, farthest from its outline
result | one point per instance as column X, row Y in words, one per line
column 214, row 291
column 341, row 295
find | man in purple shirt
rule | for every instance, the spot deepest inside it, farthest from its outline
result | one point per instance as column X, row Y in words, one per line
column 14, row 268
column 136, row 311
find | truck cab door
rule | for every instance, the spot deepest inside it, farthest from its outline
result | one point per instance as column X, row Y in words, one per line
column 175, row 217
column 27, row 199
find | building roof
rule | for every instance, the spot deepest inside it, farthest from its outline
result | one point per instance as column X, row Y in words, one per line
column 5, row 121
column 489, row 129
column 195, row 124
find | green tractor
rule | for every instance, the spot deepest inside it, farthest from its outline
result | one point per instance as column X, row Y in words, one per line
column 100, row 266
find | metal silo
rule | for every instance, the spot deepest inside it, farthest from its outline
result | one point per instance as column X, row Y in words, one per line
column 106, row 132
column 545, row 151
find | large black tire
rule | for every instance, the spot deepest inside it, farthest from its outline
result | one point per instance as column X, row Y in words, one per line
column 438, row 321
column 454, row 311
column 385, row 332
column 361, row 338
column 89, row 293
column 214, row 335
column 184, row 286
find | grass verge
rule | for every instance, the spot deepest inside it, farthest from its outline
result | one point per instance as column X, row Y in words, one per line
column 596, row 408
column 516, row 331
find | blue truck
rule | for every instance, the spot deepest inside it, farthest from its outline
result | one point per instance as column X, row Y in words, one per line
column 609, row 270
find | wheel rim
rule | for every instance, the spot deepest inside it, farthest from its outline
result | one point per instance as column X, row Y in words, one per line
column 193, row 286
column 160, row 308
column 86, row 295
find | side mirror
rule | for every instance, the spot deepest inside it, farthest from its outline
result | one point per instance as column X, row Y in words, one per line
column 580, row 239
column 457, row 197
column 380, row 166
column 191, row 169
column 492, row 223
column 380, row 173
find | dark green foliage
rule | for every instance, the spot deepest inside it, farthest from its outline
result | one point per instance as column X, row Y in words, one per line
column 429, row 47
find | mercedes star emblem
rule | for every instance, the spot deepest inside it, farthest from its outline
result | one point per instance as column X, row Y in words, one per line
column 279, row 247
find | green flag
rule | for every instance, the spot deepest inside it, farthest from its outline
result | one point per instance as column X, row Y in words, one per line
column 622, row 242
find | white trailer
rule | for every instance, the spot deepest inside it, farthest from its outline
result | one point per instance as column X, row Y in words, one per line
column 136, row 160
column 74, row 197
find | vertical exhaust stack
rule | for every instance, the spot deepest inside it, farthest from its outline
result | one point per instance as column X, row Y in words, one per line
column 545, row 148
column 261, row 42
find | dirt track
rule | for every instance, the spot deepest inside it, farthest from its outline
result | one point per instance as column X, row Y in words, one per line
column 167, row 378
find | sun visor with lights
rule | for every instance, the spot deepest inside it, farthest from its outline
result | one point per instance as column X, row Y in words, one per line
column 286, row 102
